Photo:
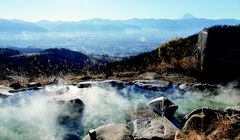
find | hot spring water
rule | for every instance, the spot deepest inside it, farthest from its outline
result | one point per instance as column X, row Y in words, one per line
column 32, row 114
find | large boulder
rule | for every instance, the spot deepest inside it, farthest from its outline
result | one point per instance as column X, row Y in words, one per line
column 201, row 120
column 220, row 55
column 163, row 106
column 110, row 132
column 159, row 128
column 212, row 124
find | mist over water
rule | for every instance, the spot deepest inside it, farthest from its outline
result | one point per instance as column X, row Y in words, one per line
column 34, row 114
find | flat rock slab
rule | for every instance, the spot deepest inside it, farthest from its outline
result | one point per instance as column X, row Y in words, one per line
column 154, row 85
column 154, row 128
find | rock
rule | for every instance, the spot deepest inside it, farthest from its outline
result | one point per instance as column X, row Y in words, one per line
column 232, row 110
column 56, row 90
column 200, row 119
column 84, row 78
column 16, row 85
column 155, row 85
column 17, row 90
column 34, row 85
column 220, row 56
column 162, row 106
column 4, row 95
column 59, row 81
column 110, row 132
column 185, row 87
column 5, row 92
column 112, row 83
column 84, row 84
column 203, row 87
column 154, row 128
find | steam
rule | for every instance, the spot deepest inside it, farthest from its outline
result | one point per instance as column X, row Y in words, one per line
column 222, row 97
column 29, row 118
column 34, row 114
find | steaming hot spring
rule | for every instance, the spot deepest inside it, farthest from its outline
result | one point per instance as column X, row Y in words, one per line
column 58, row 111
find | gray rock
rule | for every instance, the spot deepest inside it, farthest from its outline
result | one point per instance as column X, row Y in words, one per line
column 162, row 106
column 232, row 110
column 203, row 87
column 185, row 87
column 154, row 128
column 113, row 83
column 155, row 85
column 110, row 132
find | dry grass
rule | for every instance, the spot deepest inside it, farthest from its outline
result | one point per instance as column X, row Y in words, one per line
column 222, row 130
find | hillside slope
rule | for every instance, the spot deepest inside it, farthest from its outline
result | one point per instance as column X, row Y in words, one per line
column 179, row 55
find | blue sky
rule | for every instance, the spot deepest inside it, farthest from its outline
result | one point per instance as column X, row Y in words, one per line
column 74, row 10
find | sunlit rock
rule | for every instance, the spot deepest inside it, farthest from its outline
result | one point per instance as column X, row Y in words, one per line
column 154, row 128
column 110, row 132
column 163, row 106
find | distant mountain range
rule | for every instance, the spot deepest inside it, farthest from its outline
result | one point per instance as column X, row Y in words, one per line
column 19, row 26
column 187, row 23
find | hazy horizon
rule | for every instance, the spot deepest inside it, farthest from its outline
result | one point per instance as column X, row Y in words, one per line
column 76, row 10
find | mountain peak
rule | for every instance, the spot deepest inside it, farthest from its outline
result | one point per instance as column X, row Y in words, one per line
column 188, row 16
